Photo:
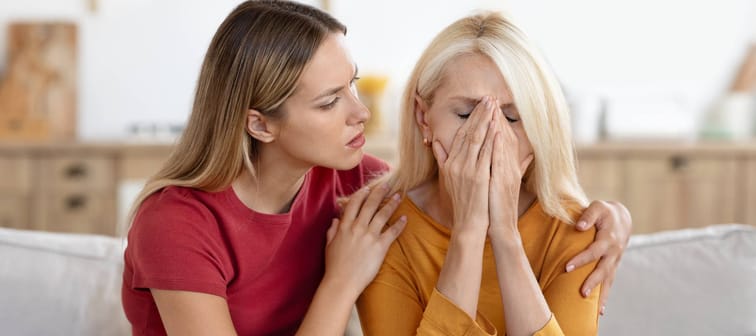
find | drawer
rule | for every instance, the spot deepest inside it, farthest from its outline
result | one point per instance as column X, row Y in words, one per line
column 16, row 174
column 77, row 212
column 77, row 173
column 14, row 212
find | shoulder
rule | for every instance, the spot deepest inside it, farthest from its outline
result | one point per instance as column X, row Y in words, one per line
column 559, row 240
column 176, row 212
column 564, row 240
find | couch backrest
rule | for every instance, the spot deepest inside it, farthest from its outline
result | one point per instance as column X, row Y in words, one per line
column 686, row 282
column 60, row 284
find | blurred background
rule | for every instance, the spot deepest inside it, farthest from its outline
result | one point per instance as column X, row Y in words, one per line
column 94, row 92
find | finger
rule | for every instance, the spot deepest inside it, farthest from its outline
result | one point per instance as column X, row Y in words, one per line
column 393, row 232
column 460, row 138
column 595, row 251
column 439, row 152
column 383, row 215
column 484, row 158
column 353, row 206
column 477, row 135
column 599, row 274
column 467, row 132
column 591, row 216
column 604, row 296
column 332, row 230
column 368, row 209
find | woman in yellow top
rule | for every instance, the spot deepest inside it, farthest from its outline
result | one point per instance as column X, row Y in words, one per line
column 488, row 167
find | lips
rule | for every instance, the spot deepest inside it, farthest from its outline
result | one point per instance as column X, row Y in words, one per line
column 357, row 142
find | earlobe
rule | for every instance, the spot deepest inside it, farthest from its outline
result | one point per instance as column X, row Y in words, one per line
column 259, row 127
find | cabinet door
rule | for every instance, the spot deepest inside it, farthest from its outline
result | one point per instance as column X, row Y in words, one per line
column 77, row 194
column 681, row 191
column 601, row 178
column 14, row 211
column 750, row 191
column 15, row 190
column 77, row 212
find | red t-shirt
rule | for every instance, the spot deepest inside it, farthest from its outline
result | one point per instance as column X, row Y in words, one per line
column 267, row 267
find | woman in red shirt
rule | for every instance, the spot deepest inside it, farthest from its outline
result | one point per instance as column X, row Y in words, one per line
column 240, row 231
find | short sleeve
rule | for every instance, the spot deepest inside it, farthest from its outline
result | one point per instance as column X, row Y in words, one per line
column 175, row 244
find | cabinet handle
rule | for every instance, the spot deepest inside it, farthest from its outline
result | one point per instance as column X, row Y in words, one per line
column 76, row 171
column 678, row 162
column 75, row 202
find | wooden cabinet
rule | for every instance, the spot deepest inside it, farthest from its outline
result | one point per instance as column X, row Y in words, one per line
column 677, row 191
column 673, row 186
column 70, row 187
column 76, row 187
column 601, row 177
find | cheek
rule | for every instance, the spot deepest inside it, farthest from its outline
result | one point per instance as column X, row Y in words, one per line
column 444, row 133
column 525, row 148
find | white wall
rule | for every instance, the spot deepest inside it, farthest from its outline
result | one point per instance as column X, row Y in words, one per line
column 139, row 59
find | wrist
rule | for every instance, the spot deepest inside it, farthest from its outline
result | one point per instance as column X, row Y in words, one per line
column 340, row 288
column 506, row 241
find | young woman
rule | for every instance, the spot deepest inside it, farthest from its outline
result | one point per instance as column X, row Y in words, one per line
column 487, row 164
column 240, row 232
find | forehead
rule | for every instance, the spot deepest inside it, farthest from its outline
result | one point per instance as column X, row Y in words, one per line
column 475, row 76
column 329, row 67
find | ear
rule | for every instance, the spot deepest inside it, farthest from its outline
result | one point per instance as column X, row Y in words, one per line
column 260, row 127
column 421, row 117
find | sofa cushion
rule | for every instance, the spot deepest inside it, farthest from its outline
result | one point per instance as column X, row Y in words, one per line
column 686, row 282
column 60, row 284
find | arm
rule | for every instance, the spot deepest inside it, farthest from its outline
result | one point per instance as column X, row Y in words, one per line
column 394, row 305
column 390, row 306
column 614, row 225
column 193, row 313
column 356, row 246
column 525, row 307
column 464, row 174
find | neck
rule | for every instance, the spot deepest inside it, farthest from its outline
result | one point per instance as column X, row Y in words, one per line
column 275, row 184
column 433, row 198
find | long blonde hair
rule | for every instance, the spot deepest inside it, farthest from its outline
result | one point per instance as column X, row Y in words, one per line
column 253, row 62
column 537, row 95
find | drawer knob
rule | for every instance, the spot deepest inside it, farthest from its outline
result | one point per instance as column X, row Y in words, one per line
column 75, row 202
column 76, row 171
column 678, row 162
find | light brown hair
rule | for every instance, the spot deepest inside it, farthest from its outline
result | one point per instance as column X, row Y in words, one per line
column 254, row 62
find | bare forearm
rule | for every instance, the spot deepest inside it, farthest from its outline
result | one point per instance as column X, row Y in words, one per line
column 460, row 276
column 525, row 307
column 329, row 311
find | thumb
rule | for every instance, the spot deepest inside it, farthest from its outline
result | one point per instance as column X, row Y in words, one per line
column 332, row 230
column 439, row 152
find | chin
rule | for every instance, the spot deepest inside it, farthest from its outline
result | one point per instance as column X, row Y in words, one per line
column 346, row 162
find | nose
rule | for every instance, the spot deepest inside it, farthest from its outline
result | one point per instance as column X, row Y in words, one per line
column 359, row 113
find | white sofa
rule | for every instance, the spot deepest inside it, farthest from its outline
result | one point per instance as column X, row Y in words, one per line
column 687, row 282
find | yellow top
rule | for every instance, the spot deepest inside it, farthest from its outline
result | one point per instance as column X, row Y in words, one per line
column 403, row 300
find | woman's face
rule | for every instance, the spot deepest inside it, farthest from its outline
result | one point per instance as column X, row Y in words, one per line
column 466, row 80
column 324, row 119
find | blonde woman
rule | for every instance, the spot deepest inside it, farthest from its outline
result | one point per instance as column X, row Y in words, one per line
column 488, row 168
column 240, row 232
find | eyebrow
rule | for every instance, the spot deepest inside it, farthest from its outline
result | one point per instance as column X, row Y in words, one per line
column 333, row 91
column 474, row 101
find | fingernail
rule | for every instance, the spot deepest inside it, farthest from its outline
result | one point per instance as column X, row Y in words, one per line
column 403, row 219
column 586, row 292
column 582, row 224
column 570, row 268
column 603, row 308
column 396, row 197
